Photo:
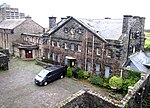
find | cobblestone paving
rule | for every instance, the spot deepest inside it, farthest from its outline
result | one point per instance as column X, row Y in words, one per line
column 17, row 88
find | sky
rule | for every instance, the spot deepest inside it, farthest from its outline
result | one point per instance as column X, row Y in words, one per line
column 40, row 10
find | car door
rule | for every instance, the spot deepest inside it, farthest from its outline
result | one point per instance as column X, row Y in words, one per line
column 49, row 77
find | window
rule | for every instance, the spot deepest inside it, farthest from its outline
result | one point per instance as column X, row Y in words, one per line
column 53, row 43
column 53, row 56
column 79, row 64
column 72, row 47
column 66, row 46
column 66, row 61
column 37, row 40
column 97, row 67
column 108, row 53
column 58, row 58
column 107, row 71
column 58, row 45
column 89, row 51
column 79, row 48
column 89, row 67
column 97, row 51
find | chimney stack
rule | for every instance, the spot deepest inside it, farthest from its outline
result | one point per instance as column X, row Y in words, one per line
column 52, row 22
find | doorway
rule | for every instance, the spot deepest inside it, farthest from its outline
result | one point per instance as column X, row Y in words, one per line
column 28, row 53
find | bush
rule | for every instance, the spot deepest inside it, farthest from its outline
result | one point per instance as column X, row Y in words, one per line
column 69, row 72
column 77, row 69
column 115, row 82
column 80, row 74
column 106, row 83
column 86, row 74
column 96, row 80
column 128, row 82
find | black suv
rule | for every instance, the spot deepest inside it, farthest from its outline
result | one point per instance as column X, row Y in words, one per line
column 49, row 74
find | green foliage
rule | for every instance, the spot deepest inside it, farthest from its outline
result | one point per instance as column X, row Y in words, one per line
column 128, row 82
column 133, row 74
column 76, row 69
column 80, row 74
column 106, row 83
column 96, row 80
column 69, row 72
column 115, row 82
column 86, row 74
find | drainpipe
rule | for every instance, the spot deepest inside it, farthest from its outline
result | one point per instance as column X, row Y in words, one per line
column 85, row 49
column 92, row 54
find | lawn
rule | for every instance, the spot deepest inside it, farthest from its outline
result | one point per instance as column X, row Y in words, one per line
column 147, row 34
column 147, row 43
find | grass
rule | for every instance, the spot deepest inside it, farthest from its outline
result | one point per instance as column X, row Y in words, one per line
column 147, row 43
column 147, row 34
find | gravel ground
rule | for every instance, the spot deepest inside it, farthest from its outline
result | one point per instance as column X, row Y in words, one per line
column 17, row 88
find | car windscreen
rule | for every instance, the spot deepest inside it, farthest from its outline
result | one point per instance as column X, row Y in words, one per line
column 43, row 73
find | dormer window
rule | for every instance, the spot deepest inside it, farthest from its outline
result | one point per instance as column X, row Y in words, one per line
column 66, row 30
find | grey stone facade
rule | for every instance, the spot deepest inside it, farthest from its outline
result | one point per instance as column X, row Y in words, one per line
column 101, row 51
column 11, row 30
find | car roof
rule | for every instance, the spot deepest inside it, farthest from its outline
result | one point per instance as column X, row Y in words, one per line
column 53, row 68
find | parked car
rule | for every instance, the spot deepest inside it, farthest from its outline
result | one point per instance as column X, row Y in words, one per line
column 49, row 74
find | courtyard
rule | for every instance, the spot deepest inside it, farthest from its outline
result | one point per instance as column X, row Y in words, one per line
column 17, row 88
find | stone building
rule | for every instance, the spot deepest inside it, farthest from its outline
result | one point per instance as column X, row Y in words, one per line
column 29, row 46
column 11, row 30
column 7, row 12
column 99, row 46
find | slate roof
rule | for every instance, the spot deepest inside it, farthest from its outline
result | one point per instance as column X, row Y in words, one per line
column 140, row 61
column 107, row 28
column 11, row 23
column 103, row 28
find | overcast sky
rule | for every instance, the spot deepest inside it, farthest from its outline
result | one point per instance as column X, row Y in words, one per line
column 40, row 10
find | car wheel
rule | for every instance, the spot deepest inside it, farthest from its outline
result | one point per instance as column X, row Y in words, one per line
column 61, row 76
column 45, row 83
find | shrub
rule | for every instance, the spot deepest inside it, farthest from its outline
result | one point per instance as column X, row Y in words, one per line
column 106, row 85
column 115, row 82
column 128, row 82
column 80, row 74
column 69, row 72
column 96, row 80
column 86, row 74
column 77, row 69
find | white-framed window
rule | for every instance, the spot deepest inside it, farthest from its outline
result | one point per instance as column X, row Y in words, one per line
column 89, row 67
column 58, row 45
column 79, row 48
column 79, row 64
column 89, row 51
column 97, row 67
column 53, row 43
column 72, row 47
column 53, row 56
column 66, row 61
column 97, row 51
column 66, row 46
column 58, row 58
column 36, row 40
column 108, row 53
column 30, row 39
